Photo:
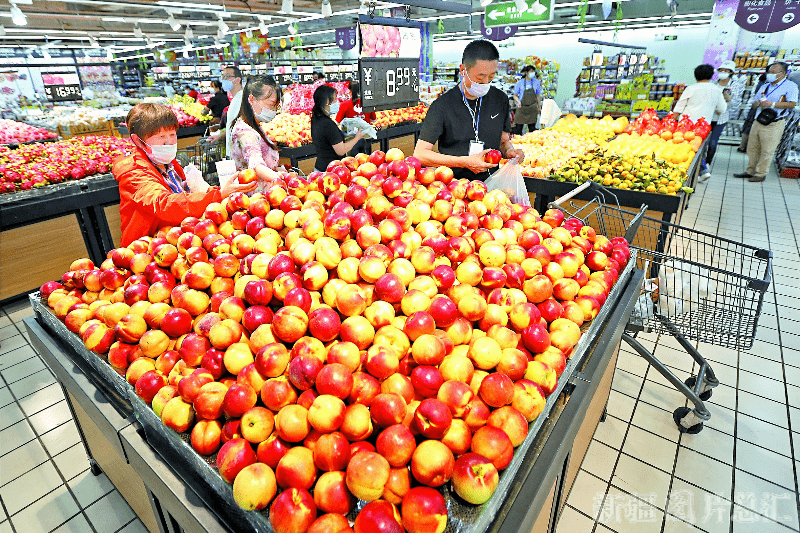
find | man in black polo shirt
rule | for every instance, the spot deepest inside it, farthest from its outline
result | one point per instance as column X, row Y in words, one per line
column 469, row 120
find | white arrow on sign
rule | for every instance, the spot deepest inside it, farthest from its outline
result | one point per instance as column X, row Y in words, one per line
column 495, row 14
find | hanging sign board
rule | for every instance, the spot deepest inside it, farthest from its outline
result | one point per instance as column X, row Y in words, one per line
column 389, row 83
column 767, row 16
column 509, row 14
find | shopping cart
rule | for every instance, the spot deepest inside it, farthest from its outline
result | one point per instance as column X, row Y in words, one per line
column 698, row 287
column 204, row 155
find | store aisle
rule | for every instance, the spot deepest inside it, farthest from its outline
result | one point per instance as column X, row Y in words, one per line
column 738, row 474
column 741, row 472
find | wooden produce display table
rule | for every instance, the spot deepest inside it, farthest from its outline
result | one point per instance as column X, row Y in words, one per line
column 40, row 228
column 166, row 497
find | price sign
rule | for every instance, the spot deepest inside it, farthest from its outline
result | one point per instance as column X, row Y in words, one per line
column 306, row 77
column 283, row 79
column 388, row 83
column 63, row 93
column 348, row 75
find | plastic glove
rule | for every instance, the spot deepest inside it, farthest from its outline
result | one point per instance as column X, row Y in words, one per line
column 194, row 179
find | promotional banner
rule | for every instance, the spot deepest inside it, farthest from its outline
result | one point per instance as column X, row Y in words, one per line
column 723, row 33
column 497, row 33
column 427, row 51
column 767, row 16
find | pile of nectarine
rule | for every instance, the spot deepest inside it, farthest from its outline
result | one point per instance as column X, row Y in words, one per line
column 372, row 332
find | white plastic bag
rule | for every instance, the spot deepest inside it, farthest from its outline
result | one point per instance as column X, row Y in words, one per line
column 682, row 287
column 194, row 179
column 509, row 180
column 351, row 125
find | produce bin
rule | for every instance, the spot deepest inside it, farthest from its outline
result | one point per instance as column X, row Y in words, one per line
column 42, row 226
column 539, row 467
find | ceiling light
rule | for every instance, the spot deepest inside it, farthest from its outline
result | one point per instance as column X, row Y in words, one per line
column 292, row 29
column 222, row 26
column 327, row 11
column 93, row 42
column 186, row 54
column 263, row 28
column 137, row 32
column 189, row 32
column 287, row 6
column 249, row 34
column 174, row 24
column 17, row 16
column 109, row 54
column 187, row 43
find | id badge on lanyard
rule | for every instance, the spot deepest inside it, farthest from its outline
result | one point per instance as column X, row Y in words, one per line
column 475, row 146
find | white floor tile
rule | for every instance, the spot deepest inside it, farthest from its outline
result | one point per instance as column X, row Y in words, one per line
column 656, row 421
column 660, row 396
column 72, row 461
column 764, row 409
column 587, row 493
column 10, row 415
column 48, row 512
column 642, row 480
column 12, row 343
column 611, row 432
column 110, row 513
column 21, row 460
column 571, row 521
column 761, row 366
column 6, row 397
column 29, row 487
column 766, row 498
column 77, row 524
column 89, row 488
column 600, row 460
column 699, row 507
column 706, row 473
column 631, row 362
column 32, row 383
column 763, row 434
column 136, row 526
column 625, row 513
column 52, row 417
column 60, row 438
column 627, row 383
column 17, row 356
column 41, row 399
column 765, row 464
column 620, row 405
column 650, row 448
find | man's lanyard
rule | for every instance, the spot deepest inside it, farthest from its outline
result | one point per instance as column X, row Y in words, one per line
column 476, row 115
column 767, row 92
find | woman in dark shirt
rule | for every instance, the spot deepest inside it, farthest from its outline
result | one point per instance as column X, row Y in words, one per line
column 218, row 102
column 326, row 136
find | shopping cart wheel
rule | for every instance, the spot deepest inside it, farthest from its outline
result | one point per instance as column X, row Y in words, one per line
column 690, row 382
column 94, row 468
column 679, row 414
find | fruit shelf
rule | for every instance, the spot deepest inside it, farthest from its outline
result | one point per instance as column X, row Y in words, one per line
column 523, row 487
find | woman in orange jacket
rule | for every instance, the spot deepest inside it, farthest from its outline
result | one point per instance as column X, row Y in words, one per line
column 152, row 185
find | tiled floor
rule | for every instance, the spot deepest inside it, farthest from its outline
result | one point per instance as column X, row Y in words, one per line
column 741, row 472
column 45, row 482
column 640, row 474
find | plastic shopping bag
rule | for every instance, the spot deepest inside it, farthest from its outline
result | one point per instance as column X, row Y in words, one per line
column 351, row 125
column 194, row 179
column 509, row 180
column 683, row 287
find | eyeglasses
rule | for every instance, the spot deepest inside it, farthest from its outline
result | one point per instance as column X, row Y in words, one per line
column 223, row 77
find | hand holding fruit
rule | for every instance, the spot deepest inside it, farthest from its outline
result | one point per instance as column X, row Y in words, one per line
column 477, row 163
column 493, row 157
column 235, row 186
column 519, row 154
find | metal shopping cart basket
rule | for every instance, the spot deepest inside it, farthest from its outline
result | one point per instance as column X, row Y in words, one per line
column 204, row 155
column 698, row 287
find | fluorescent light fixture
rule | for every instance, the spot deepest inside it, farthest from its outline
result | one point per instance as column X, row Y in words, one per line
column 222, row 26
column 17, row 16
column 174, row 24
column 327, row 11
column 113, row 19
column 287, row 6
column 189, row 32
column 292, row 29
column 137, row 32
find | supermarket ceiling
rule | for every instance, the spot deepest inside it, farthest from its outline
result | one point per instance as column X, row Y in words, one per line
column 168, row 23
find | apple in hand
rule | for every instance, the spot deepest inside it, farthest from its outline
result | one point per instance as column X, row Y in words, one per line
column 493, row 157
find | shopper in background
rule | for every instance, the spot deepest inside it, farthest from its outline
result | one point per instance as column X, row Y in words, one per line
column 470, row 119
column 528, row 99
column 732, row 93
column 779, row 95
column 751, row 114
column 169, row 90
column 250, row 146
column 192, row 92
column 328, row 139
column 153, row 189
column 702, row 99
column 352, row 109
column 232, row 84
column 218, row 102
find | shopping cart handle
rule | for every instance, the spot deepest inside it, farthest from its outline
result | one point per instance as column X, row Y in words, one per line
column 573, row 193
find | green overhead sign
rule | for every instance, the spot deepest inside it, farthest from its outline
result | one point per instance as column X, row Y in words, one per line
column 513, row 14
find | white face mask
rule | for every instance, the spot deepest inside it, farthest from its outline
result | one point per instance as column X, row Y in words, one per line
column 723, row 75
column 772, row 77
column 477, row 89
column 531, row 75
column 265, row 115
column 163, row 153
column 333, row 109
